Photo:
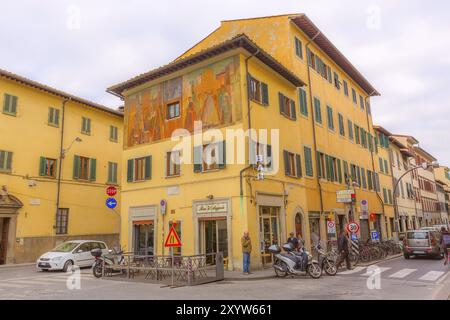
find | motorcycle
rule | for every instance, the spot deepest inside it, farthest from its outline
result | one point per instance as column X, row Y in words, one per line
column 293, row 263
column 115, row 257
column 325, row 261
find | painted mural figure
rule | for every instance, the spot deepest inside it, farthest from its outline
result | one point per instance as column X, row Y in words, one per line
column 190, row 116
column 210, row 112
column 225, row 106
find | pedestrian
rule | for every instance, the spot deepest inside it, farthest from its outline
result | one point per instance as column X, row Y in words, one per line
column 246, row 250
column 445, row 243
column 343, row 251
column 293, row 240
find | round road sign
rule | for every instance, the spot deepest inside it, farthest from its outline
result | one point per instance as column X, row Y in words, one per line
column 353, row 227
column 111, row 191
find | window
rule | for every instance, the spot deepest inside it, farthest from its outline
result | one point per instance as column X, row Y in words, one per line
column 84, row 168
column 385, row 197
column 341, row 125
column 317, row 111
column 264, row 150
column 139, row 169
column 363, row 138
column 353, row 172
column 363, row 177
column 330, row 118
column 113, row 133
column 287, row 106
column 303, row 102
column 259, row 91
column 320, row 164
column 345, row 88
column 317, row 64
column 112, row 172
column 173, row 110
column 357, row 139
column 173, row 165
column 53, row 117
column 210, row 157
column 86, row 126
column 346, row 173
column 369, row 180
column 10, row 104
column 47, row 167
column 333, row 169
column 368, row 107
column 298, row 48
column 62, row 221
column 386, row 167
column 358, row 172
column 5, row 160
column 390, row 196
column 361, row 102
column 376, row 181
column 292, row 164
column 308, row 161
column 354, row 96
column 350, row 129
column 370, row 139
column 337, row 83
column 380, row 160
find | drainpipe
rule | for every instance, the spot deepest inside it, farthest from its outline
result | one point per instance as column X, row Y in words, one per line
column 61, row 156
column 373, row 161
column 313, row 118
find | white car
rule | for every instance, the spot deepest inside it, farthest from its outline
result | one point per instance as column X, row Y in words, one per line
column 67, row 254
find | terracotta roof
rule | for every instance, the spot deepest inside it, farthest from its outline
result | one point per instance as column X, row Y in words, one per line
column 382, row 130
column 311, row 30
column 239, row 41
column 425, row 153
column 408, row 137
column 36, row 85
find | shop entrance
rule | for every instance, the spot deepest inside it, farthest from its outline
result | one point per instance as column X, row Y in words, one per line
column 214, row 238
column 4, row 232
column 269, row 230
column 143, row 237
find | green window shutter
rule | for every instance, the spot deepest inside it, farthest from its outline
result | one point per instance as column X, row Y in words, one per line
column 339, row 170
column 309, row 57
column 281, row 102
column 57, row 117
column 42, row 163
column 390, row 196
column 130, row 170
column 319, row 166
column 148, row 167
column 303, row 102
column 332, row 173
column 14, row 105
column 385, row 195
column 330, row 118
column 265, row 93
column 198, row 158
column 386, row 167
column 298, row 48
column 363, row 176
column 318, row 113
column 222, row 155
column 9, row 156
column 76, row 167
column 293, row 110
column 308, row 162
column 269, row 157
column 6, row 102
column 381, row 164
column 298, row 162
column 287, row 170
column 50, row 115
column 346, row 176
column 327, row 161
column 93, row 169
column 358, row 172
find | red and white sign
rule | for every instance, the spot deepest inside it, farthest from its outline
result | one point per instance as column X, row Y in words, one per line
column 111, row 191
column 331, row 227
column 173, row 240
column 353, row 227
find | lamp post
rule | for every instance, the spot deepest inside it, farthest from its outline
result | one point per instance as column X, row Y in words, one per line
column 424, row 166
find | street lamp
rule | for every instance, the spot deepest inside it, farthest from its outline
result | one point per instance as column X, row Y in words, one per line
column 64, row 151
column 424, row 166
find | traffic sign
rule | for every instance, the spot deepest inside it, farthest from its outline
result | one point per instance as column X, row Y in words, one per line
column 375, row 235
column 373, row 217
column 345, row 196
column 111, row 203
column 353, row 237
column 111, row 191
column 353, row 227
column 163, row 206
column 364, row 205
column 331, row 227
column 172, row 240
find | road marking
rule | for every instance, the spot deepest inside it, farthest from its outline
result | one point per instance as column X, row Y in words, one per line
column 432, row 276
column 402, row 273
column 355, row 270
column 27, row 282
column 379, row 269
column 11, row 285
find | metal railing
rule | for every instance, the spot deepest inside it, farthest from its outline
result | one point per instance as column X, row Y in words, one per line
column 182, row 271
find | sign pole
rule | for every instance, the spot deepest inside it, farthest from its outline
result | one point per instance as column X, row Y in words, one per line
column 171, row 254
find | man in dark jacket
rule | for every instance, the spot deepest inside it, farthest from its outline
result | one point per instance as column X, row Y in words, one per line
column 343, row 251
column 445, row 243
column 293, row 240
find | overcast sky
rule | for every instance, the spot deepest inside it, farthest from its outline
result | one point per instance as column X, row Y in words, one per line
column 82, row 47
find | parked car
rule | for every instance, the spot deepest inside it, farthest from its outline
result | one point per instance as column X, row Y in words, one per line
column 422, row 243
column 67, row 254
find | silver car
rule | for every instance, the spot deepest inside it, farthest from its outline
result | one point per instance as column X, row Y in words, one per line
column 422, row 243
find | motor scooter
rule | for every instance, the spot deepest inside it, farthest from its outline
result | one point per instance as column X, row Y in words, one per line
column 114, row 258
column 325, row 261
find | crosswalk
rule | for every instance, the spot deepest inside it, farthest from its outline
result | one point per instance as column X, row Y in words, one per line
column 42, row 281
column 429, row 276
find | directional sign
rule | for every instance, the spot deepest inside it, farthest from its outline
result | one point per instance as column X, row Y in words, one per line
column 111, row 203
column 353, row 227
column 111, row 191
column 172, row 240
column 345, row 196
column 375, row 235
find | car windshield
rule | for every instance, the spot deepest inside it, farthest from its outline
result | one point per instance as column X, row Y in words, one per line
column 65, row 247
column 417, row 235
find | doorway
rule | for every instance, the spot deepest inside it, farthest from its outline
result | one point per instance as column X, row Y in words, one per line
column 4, row 233
column 314, row 230
column 299, row 225
column 214, row 238
column 269, row 230
column 143, row 240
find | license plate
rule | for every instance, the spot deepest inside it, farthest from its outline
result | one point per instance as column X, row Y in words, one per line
column 419, row 252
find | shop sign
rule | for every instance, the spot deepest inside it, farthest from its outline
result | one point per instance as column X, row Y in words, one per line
column 216, row 207
column 344, row 196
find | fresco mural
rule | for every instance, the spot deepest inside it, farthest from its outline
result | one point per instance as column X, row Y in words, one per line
column 210, row 94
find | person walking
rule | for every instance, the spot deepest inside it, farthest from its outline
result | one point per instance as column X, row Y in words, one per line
column 246, row 251
column 445, row 243
column 343, row 251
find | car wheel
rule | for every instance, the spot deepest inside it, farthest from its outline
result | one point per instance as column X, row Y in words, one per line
column 68, row 265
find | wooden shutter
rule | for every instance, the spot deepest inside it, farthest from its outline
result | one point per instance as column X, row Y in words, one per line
column 6, row 102
column 269, row 157
column 303, row 102
column 293, row 111
column 130, row 170
column 327, row 161
column 319, row 167
column 281, row 102
column 8, row 156
column 339, row 170
column 92, row 169
column 308, row 162
column 358, row 173
column 198, row 158
column 76, row 167
column 298, row 162
column 42, row 163
column 50, row 115
column 148, row 167
column 287, row 169
column 222, row 155
column 56, row 115
column 265, row 93
column 13, row 104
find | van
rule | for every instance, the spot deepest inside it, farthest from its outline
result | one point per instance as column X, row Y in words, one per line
column 422, row 243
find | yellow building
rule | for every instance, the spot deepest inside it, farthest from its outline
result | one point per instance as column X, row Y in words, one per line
column 47, row 195
column 238, row 78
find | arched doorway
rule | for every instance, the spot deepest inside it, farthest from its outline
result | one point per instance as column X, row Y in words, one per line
column 298, row 224
column 9, row 206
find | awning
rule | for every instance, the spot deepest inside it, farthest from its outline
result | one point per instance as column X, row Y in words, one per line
column 142, row 222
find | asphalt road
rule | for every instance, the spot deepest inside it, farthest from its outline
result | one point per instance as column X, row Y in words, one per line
column 420, row 279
